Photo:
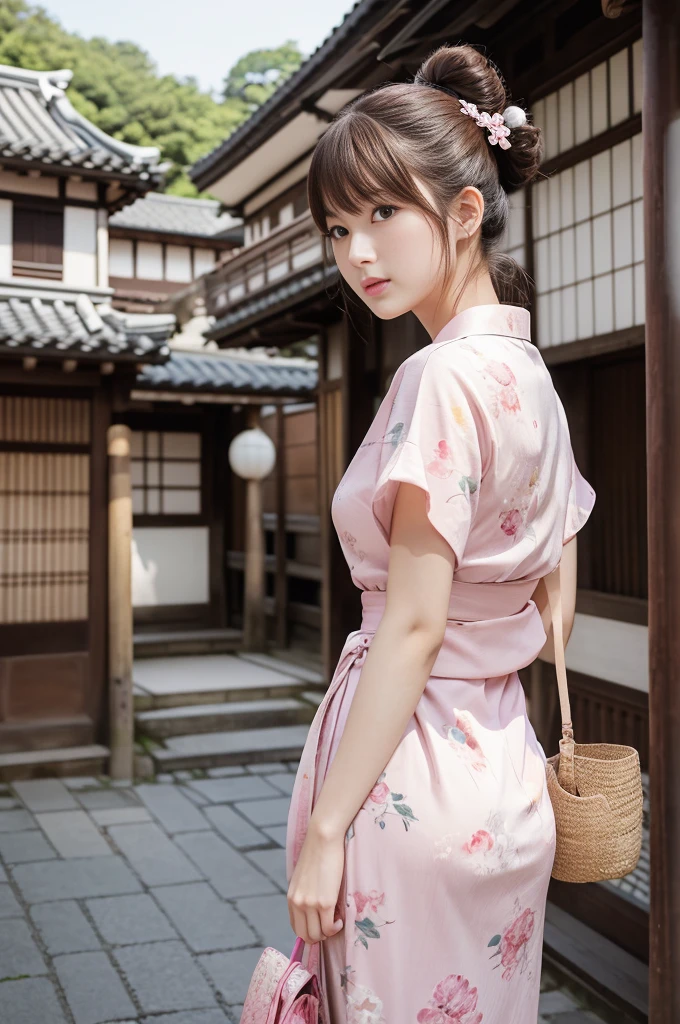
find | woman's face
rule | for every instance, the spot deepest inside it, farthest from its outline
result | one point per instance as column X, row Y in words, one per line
column 389, row 255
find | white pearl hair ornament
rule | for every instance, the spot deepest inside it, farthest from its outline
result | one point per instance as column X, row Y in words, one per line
column 514, row 117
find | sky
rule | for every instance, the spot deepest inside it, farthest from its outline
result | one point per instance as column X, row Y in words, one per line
column 202, row 38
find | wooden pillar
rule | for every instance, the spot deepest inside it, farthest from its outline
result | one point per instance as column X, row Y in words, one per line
column 254, row 635
column 121, row 722
column 281, row 578
column 661, row 174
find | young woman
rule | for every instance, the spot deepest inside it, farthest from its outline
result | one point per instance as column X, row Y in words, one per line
column 421, row 834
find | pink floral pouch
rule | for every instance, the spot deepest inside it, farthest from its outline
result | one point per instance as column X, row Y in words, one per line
column 282, row 990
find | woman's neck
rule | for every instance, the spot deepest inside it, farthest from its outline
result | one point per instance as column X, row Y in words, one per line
column 436, row 311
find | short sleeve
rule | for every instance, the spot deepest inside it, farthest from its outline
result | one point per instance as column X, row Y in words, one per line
column 432, row 441
column 580, row 503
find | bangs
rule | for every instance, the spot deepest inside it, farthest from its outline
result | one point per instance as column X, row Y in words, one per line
column 357, row 162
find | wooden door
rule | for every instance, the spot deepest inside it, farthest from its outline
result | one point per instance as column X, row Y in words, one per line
column 51, row 636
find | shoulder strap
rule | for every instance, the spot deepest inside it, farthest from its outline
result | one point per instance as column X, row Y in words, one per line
column 566, row 764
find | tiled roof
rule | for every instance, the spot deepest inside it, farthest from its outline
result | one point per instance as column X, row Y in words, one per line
column 175, row 215
column 63, row 329
column 38, row 123
column 319, row 277
column 203, row 371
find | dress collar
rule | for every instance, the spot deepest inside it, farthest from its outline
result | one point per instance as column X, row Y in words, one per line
column 491, row 318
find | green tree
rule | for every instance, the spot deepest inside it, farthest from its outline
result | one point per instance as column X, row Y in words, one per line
column 117, row 86
column 256, row 76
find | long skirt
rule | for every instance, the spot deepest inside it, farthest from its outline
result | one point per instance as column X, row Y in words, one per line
column 447, row 862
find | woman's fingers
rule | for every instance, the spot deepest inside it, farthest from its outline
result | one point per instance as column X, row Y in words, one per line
column 314, row 932
column 328, row 922
column 312, row 925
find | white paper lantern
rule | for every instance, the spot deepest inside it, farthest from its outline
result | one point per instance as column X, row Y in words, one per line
column 252, row 454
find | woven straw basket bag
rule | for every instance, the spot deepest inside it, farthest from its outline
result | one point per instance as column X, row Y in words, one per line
column 595, row 789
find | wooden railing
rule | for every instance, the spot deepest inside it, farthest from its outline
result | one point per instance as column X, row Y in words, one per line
column 284, row 252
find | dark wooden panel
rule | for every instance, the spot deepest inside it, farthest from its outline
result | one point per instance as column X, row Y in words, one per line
column 302, row 495
column 19, row 638
column 300, row 427
column 38, row 241
column 44, row 686
column 177, row 615
column 623, row 921
column 601, row 712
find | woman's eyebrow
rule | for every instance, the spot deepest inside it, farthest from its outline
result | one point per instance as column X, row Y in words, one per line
column 330, row 213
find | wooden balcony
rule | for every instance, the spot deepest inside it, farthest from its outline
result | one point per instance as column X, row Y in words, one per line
column 286, row 252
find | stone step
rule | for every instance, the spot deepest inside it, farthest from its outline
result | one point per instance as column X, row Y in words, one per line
column 240, row 746
column 32, row 764
column 225, row 717
column 213, row 679
column 188, row 641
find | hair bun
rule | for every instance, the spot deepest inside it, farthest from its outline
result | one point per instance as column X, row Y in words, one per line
column 470, row 75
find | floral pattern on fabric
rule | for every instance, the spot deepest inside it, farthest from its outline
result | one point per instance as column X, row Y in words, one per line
column 362, row 1005
column 500, row 380
column 512, row 944
column 368, row 927
column 493, row 848
column 463, row 741
column 516, row 522
column 382, row 799
column 453, row 1002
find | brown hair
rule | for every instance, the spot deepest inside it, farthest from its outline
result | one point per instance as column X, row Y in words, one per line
column 377, row 146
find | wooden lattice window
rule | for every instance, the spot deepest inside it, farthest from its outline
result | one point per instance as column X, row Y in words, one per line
column 38, row 241
column 166, row 473
column 44, row 509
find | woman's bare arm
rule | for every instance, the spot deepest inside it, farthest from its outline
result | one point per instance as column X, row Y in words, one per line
column 398, row 662
column 568, row 589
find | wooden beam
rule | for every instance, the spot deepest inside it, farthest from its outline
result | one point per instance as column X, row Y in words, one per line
column 280, row 579
column 121, row 725
column 29, row 363
column 661, row 172
column 107, row 368
column 254, row 622
column 69, row 365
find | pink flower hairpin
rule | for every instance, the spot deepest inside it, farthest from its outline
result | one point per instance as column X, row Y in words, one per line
column 498, row 132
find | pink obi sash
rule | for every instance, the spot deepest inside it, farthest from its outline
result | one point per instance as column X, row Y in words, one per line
column 488, row 624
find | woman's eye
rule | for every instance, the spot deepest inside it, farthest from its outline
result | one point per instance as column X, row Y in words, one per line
column 337, row 228
column 384, row 211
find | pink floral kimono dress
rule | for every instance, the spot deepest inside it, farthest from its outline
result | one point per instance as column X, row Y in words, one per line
column 448, row 860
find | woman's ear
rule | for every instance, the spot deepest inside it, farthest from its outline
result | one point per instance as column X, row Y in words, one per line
column 468, row 212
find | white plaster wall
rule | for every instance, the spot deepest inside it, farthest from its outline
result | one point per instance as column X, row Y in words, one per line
column 150, row 261
column 177, row 263
column 120, row 257
column 102, row 248
column 80, row 246
column 170, row 565
column 204, row 261
column 5, row 237
column 606, row 649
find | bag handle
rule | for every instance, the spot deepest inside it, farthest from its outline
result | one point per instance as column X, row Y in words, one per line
column 565, row 771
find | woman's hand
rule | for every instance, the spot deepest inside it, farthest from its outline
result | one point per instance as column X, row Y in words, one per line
column 315, row 886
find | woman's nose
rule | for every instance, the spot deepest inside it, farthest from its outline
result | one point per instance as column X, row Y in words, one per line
column 361, row 251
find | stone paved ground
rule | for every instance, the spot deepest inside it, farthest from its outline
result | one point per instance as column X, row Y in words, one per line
column 150, row 904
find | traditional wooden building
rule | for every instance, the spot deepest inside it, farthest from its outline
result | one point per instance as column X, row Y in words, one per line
column 161, row 243
column 72, row 366
column 189, row 538
column 579, row 232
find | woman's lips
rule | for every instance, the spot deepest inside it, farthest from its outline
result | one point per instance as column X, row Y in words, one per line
column 375, row 285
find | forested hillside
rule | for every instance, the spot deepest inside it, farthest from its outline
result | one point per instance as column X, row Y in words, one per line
column 116, row 85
